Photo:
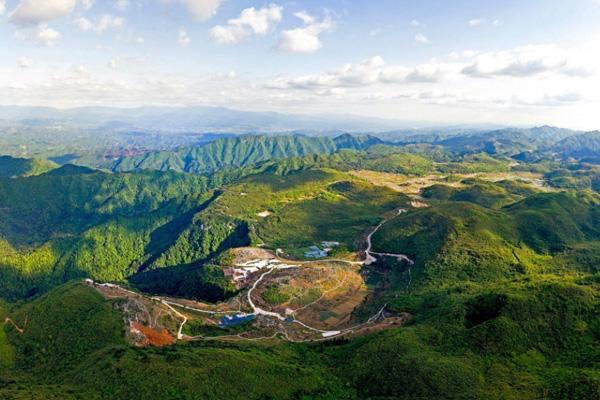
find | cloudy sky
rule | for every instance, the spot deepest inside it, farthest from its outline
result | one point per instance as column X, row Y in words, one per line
column 518, row 62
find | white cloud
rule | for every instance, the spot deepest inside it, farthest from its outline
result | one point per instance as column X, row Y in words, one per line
column 369, row 72
column 201, row 10
column 536, row 83
column 305, row 39
column 305, row 17
column 24, row 62
column 41, row 35
column 420, row 38
column 422, row 73
column 526, row 61
column 108, row 21
column 545, row 61
column 415, row 22
column 140, row 40
column 103, row 23
column 38, row 11
column 47, row 36
column 477, row 22
column 183, row 38
column 228, row 34
column 2, row 7
column 351, row 75
column 251, row 21
column 128, row 88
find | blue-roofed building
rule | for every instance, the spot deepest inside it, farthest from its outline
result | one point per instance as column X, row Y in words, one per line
column 315, row 252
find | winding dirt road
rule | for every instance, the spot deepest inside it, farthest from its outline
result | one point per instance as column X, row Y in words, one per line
column 185, row 319
column 20, row 330
column 260, row 311
column 370, row 259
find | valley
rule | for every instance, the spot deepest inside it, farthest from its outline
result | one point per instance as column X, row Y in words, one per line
column 299, row 301
column 322, row 271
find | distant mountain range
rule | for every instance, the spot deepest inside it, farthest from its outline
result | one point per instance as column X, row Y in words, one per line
column 207, row 119
column 583, row 147
column 204, row 139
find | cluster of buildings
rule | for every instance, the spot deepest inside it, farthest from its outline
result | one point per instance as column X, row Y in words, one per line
column 316, row 252
column 242, row 271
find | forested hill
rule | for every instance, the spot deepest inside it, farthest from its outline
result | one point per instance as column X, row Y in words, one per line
column 72, row 220
column 237, row 152
column 15, row 167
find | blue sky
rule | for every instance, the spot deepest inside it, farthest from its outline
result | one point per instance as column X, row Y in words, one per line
column 511, row 62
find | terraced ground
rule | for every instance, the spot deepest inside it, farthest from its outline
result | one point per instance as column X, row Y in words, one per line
column 298, row 303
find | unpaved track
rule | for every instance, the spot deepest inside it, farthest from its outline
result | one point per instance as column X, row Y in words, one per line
column 260, row 311
column 370, row 259
column 180, row 332
column 20, row 330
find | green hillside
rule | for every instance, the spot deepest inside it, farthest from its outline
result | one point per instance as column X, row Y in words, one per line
column 7, row 355
column 235, row 152
column 110, row 227
column 16, row 167
column 505, row 300
column 75, row 222
column 474, row 234
column 393, row 159
column 75, row 336
column 290, row 153
column 575, row 176
column 77, row 319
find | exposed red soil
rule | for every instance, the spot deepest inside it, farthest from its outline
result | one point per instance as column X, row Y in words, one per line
column 157, row 337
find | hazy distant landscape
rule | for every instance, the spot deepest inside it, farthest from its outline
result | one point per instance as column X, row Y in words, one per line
column 206, row 199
